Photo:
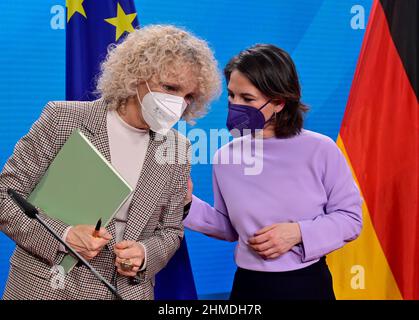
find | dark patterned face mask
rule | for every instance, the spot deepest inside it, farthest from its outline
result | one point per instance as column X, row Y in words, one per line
column 242, row 117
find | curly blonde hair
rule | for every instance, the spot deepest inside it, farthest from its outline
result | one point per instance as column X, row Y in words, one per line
column 156, row 51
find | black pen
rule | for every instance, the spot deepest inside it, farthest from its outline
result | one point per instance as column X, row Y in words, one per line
column 97, row 228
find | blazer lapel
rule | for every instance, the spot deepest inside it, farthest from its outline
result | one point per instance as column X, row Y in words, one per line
column 153, row 177
column 149, row 189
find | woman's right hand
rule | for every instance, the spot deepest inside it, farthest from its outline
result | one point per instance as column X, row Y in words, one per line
column 81, row 239
column 188, row 197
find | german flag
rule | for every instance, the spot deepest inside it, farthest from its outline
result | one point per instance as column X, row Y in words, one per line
column 380, row 139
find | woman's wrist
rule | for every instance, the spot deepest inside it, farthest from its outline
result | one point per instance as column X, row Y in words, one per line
column 298, row 235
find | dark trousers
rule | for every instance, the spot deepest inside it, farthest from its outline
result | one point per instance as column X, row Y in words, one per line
column 311, row 283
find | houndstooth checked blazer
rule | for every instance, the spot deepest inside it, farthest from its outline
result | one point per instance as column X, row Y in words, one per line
column 155, row 214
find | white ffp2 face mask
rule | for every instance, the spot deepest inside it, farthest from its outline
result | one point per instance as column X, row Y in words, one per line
column 161, row 110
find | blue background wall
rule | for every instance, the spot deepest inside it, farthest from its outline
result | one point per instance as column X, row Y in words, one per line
column 323, row 36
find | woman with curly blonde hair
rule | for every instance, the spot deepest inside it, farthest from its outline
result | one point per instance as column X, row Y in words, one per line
column 156, row 76
column 160, row 56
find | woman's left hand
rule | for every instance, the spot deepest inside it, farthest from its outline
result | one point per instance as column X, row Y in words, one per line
column 275, row 240
column 131, row 251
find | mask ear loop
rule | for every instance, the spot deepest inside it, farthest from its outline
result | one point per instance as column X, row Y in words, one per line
column 138, row 94
column 274, row 114
column 148, row 88
column 267, row 102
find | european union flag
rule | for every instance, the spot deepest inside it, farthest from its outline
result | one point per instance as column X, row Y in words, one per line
column 92, row 26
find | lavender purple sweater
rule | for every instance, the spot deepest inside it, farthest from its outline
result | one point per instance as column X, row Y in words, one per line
column 304, row 179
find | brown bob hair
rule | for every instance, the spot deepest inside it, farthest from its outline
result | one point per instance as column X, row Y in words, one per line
column 272, row 71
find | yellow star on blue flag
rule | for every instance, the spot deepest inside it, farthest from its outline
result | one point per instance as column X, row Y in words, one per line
column 122, row 22
column 92, row 25
column 74, row 6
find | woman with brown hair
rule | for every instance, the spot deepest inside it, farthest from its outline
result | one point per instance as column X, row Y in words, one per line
column 302, row 205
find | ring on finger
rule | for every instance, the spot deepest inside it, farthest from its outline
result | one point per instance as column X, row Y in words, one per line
column 127, row 265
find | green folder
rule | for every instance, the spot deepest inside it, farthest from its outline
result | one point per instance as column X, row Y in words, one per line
column 80, row 187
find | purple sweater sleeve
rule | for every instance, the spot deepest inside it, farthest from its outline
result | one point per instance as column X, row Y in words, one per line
column 211, row 221
column 342, row 218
